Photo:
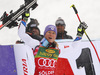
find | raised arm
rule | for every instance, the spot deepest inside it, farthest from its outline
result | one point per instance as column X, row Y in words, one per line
column 25, row 37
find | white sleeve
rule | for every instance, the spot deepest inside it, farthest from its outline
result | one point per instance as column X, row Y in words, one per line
column 26, row 38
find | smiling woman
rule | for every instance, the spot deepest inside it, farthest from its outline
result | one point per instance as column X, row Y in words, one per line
column 46, row 51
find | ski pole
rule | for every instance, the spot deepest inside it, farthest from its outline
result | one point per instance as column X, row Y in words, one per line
column 76, row 12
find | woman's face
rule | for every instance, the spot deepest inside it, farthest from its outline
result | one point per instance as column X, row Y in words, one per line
column 50, row 36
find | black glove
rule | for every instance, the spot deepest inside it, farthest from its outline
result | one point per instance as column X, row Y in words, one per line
column 81, row 28
column 25, row 15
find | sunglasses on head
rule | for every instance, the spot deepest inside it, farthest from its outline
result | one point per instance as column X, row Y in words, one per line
column 59, row 23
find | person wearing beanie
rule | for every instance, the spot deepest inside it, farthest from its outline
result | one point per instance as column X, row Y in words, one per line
column 61, row 32
column 33, row 30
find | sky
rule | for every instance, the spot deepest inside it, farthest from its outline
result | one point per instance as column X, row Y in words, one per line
column 48, row 12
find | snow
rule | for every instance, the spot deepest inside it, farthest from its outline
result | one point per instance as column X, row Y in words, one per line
column 47, row 13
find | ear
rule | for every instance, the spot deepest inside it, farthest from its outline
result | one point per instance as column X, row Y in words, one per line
column 64, row 27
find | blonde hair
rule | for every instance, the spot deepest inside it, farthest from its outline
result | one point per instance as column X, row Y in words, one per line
column 56, row 44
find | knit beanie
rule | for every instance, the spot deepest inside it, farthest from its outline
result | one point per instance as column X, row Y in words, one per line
column 50, row 28
column 32, row 24
column 60, row 21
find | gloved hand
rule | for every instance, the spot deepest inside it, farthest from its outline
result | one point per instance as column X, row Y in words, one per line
column 26, row 15
column 81, row 28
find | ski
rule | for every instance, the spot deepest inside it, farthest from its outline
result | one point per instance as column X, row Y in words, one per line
column 11, row 19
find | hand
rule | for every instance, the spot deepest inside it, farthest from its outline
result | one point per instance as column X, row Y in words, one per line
column 81, row 28
column 26, row 15
column 84, row 25
column 29, row 33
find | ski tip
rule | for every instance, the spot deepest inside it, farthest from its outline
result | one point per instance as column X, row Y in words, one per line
column 72, row 5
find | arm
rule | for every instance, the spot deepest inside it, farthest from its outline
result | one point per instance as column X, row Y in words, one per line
column 25, row 37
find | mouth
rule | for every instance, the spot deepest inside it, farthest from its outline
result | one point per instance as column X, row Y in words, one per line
column 50, row 38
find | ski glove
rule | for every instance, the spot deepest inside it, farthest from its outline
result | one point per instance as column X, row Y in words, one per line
column 26, row 15
column 81, row 28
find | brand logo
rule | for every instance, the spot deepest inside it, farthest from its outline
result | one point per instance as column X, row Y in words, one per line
column 50, row 51
column 66, row 46
column 46, row 72
column 46, row 62
column 52, row 28
column 25, row 68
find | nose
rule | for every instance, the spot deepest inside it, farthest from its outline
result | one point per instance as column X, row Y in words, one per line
column 34, row 30
column 50, row 34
